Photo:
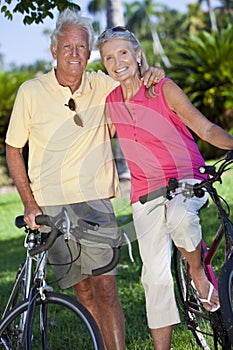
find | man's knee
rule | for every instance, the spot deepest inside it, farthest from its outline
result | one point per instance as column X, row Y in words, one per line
column 105, row 288
column 83, row 291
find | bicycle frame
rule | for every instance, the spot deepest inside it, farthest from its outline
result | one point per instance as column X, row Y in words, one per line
column 38, row 299
column 208, row 254
column 223, row 230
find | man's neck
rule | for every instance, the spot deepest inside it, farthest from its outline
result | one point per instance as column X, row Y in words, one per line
column 73, row 82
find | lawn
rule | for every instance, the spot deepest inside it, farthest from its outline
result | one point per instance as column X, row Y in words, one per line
column 130, row 288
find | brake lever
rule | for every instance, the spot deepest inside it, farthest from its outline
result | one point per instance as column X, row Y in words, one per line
column 67, row 233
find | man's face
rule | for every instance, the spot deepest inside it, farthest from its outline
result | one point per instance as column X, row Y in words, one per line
column 72, row 52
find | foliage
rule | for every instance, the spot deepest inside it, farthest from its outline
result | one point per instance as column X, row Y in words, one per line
column 95, row 66
column 33, row 68
column 9, row 84
column 166, row 21
column 142, row 19
column 35, row 11
column 202, row 65
column 200, row 60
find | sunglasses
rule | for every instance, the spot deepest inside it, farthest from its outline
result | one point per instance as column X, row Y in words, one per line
column 117, row 29
column 120, row 29
column 72, row 106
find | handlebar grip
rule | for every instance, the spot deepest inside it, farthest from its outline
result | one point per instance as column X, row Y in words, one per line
column 111, row 265
column 45, row 220
column 229, row 155
column 19, row 221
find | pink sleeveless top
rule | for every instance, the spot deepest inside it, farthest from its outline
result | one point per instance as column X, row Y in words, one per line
column 155, row 142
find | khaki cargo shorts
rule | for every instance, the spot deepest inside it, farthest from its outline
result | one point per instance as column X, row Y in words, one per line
column 73, row 262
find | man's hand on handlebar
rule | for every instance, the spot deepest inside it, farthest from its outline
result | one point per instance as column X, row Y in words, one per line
column 30, row 212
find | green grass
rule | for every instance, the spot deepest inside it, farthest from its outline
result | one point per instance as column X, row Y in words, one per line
column 130, row 289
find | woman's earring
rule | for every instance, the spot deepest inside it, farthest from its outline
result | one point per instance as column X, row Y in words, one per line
column 139, row 67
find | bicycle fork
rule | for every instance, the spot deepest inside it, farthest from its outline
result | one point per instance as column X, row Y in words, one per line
column 38, row 291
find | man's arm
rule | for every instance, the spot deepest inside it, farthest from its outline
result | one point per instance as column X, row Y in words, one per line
column 18, row 172
column 152, row 76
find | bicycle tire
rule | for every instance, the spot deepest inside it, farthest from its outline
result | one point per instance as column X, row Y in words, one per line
column 207, row 328
column 225, row 282
column 69, row 326
column 17, row 291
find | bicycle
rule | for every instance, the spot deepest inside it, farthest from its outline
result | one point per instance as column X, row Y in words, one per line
column 36, row 317
column 212, row 330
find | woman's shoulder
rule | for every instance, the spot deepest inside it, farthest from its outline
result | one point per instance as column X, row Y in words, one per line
column 115, row 94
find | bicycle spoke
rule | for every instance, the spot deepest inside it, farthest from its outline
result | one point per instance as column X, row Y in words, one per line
column 207, row 328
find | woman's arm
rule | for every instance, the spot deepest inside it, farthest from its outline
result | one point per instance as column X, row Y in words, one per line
column 178, row 102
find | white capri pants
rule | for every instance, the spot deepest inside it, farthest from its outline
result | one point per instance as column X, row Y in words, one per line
column 157, row 223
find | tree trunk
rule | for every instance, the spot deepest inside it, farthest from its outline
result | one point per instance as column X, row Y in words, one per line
column 115, row 15
column 157, row 46
column 212, row 16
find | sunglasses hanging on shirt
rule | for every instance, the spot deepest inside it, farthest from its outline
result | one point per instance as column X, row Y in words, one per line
column 72, row 106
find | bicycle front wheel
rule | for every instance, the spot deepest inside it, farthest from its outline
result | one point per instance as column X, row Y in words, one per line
column 226, row 296
column 59, row 322
column 206, row 327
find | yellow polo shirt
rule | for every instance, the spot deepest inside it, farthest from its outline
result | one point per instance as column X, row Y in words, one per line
column 67, row 163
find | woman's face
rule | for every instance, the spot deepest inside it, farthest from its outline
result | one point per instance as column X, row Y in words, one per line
column 119, row 59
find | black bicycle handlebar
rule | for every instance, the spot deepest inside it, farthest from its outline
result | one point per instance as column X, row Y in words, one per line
column 115, row 244
column 46, row 220
column 188, row 189
column 41, row 220
column 198, row 188
column 216, row 174
column 113, row 263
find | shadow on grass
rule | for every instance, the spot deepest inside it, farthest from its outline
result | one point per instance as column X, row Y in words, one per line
column 12, row 252
column 11, row 256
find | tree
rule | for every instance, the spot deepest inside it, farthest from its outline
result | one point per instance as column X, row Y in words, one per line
column 98, row 8
column 113, row 9
column 143, row 18
column 9, row 84
column 227, row 5
column 35, row 11
column 224, row 13
column 211, row 13
column 202, row 65
column 194, row 20
column 115, row 15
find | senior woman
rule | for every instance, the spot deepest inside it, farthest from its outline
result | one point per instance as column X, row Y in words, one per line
column 152, row 126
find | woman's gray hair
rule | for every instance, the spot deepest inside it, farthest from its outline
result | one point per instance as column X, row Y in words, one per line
column 124, row 34
column 71, row 17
